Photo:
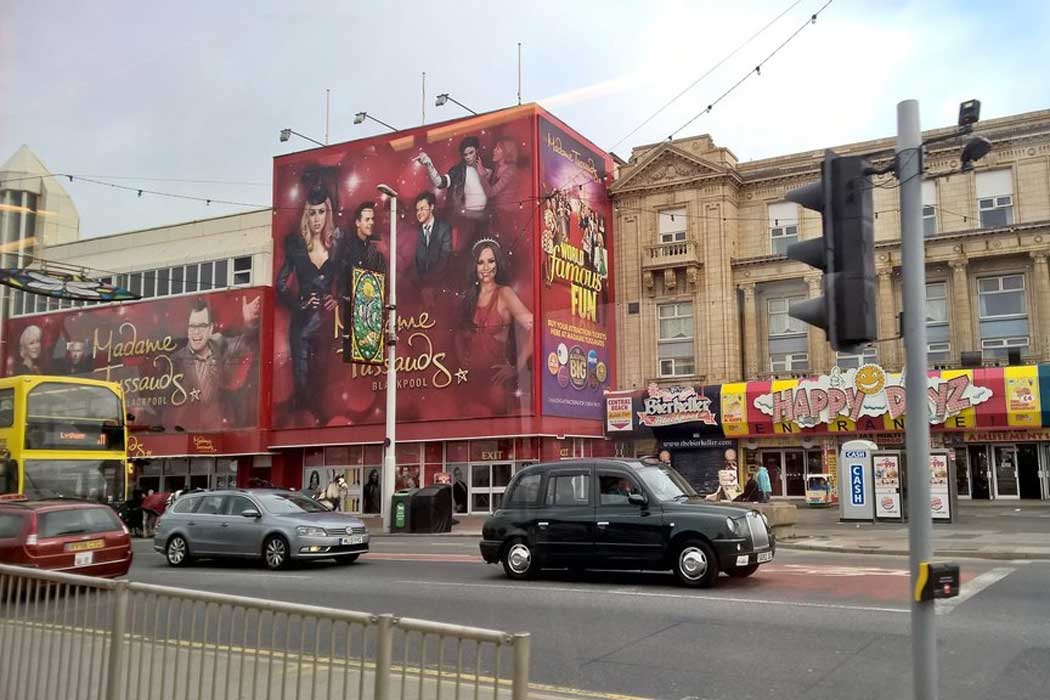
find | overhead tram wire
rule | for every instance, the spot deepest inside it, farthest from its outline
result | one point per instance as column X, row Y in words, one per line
column 706, row 73
column 757, row 70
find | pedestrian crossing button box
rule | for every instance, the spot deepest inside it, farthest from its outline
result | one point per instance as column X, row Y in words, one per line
column 937, row 581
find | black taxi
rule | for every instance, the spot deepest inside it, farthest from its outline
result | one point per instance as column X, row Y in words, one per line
column 621, row 514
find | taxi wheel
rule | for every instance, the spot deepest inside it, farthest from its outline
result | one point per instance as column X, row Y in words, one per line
column 275, row 552
column 519, row 560
column 696, row 565
column 743, row 571
column 177, row 551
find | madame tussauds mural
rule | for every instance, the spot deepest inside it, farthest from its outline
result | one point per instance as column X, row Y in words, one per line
column 503, row 271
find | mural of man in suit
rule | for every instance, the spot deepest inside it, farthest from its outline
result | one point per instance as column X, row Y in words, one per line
column 434, row 244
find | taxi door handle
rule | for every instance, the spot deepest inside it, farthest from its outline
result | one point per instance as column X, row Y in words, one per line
column 603, row 523
column 225, row 524
column 543, row 523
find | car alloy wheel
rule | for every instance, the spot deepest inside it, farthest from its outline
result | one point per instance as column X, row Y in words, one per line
column 692, row 562
column 518, row 561
column 696, row 564
column 276, row 552
column 177, row 551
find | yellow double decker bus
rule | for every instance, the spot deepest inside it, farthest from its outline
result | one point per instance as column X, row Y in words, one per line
column 62, row 437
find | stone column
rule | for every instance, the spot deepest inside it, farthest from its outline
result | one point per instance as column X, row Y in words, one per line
column 751, row 344
column 889, row 350
column 961, row 311
column 818, row 341
column 1039, row 322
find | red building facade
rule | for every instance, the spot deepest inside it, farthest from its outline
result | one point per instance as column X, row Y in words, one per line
column 505, row 305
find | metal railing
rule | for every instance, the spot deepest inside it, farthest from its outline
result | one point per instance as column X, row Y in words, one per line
column 73, row 637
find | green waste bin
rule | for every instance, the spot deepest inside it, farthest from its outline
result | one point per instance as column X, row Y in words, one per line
column 400, row 510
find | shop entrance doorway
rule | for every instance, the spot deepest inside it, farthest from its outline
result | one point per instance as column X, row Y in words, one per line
column 1028, row 471
column 788, row 470
column 980, row 473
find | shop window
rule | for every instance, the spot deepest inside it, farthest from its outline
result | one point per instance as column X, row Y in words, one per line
column 850, row 360
column 242, row 271
column 191, row 279
column 783, row 226
column 995, row 200
column 1003, row 314
column 788, row 341
column 929, row 208
column 675, row 345
column 221, row 280
column 938, row 349
column 673, row 225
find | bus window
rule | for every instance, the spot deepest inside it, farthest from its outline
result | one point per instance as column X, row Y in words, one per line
column 7, row 408
column 8, row 476
column 73, row 417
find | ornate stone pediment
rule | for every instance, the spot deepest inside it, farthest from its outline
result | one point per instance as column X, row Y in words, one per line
column 666, row 165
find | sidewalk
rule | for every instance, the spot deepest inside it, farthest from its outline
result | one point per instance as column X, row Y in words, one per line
column 982, row 529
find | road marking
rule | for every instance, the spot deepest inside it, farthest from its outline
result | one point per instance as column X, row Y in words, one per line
column 239, row 572
column 677, row 596
column 972, row 588
column 407, row 556
column 832, row 570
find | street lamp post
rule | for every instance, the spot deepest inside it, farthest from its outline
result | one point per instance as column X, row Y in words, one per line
column 360, row 117
column 391, row 372
column 287, row 134
column 445, row 97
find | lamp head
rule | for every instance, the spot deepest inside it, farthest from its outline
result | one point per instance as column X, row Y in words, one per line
column 387, row 190
column 969, row 112
column 441, row 100
column 285, row 135
column 975, row 149
column 360, row 117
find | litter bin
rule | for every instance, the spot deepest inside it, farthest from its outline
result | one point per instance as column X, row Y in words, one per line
column 431, row 509
column 401, row 510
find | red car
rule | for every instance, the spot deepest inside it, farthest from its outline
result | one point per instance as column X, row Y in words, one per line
column 70, row 536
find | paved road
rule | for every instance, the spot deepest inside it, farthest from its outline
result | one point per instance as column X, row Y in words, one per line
column 811, row 625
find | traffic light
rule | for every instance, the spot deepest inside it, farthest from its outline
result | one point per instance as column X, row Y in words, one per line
column 845, row 252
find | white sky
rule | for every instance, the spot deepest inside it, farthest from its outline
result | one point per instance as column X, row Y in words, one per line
column 199, row 90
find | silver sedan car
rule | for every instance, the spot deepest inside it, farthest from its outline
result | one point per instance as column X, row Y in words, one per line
column 278, row 526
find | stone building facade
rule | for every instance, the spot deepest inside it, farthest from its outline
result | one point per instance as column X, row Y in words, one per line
column 704, row 290
column 698, row 229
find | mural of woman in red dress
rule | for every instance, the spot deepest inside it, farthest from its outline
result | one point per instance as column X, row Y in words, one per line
column 498, row 344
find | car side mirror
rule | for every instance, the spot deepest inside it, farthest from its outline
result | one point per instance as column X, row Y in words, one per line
column 637, row 499
column 250, row 513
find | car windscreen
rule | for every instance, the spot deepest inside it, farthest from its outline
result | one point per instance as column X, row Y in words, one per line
column 77, row 521
column 285, row 503
column 660, row 483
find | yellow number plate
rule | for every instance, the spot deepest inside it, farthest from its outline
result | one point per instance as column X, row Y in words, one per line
column 82, row 546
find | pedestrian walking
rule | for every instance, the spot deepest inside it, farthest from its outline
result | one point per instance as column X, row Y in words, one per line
column 762, row 481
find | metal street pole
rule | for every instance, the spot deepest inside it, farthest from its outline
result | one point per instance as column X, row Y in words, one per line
column 917, row 435
column 391, row 373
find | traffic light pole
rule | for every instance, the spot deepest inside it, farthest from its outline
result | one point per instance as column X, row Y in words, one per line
column 917, row 435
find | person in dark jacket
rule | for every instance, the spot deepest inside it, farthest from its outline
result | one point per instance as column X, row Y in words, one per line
column 305, row 285
column 434, row 243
